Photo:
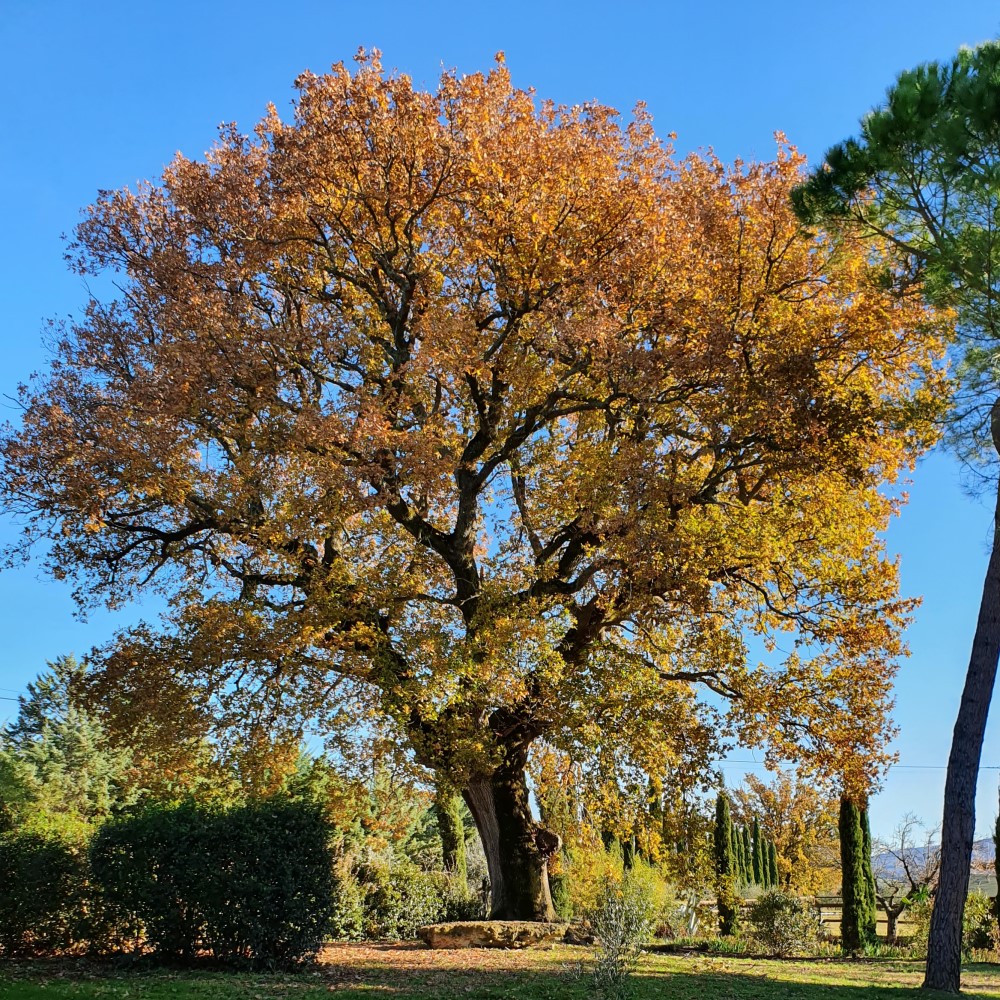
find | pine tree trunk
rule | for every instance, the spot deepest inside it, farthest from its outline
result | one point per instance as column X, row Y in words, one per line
column 944, row 946
column 517, row 848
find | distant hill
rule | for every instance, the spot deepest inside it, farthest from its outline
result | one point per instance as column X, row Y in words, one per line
column 983, row 856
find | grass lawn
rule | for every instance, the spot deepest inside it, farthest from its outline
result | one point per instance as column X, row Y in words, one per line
column 411, row 972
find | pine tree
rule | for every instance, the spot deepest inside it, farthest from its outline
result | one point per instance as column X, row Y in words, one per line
column 758, row 855
column 58, row 773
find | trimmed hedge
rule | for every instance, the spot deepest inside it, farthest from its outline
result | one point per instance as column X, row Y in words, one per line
column 42, row 894
column 251, row 885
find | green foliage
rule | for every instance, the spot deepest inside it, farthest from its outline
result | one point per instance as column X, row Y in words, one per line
column 347, row 919
column 978, row 923
column 447, row 807
column 399, row 897
column 386, row 897
column 925, row 170
column 623, row 920
column 869, row 931
column 562, row 901
column 747, row 857
column 42, row 902
column 253, row 884
column 151, row 868
column 858, row 917
column 772, row 865
column 759, row 873
column 783, row 925
column 59, row 775
column 726, row 868
column 996, row 870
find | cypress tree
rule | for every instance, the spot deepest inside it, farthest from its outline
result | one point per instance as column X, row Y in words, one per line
column 448, row 806
column 857, row 921
column 723, row 837
column 869, row 916
column 758, row 855
column 725, row 867
column 747, row 859
column 772, row 865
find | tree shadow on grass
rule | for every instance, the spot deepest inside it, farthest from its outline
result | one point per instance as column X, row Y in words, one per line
column 408, row 972
column 835, row 981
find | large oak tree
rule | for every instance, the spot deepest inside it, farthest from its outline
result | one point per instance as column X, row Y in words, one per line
column 495, row 418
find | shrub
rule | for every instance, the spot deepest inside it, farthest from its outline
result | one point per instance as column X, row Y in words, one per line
column 919, row 917
column 783, row 924
column 150, row 869
column 589, row 868
column 978, row 920
column 347, row 920
column 399, row 897
column 252, row 884
column 269, row 899
column 42, row 902
column 561, row 901
column 460, row 903
column 622, row 919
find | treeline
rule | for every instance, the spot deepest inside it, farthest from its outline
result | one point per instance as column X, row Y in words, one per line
column 98, row 799
column 746, row 853
column 743, row 857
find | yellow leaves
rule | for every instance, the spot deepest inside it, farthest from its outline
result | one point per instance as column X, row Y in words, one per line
column 492, row 406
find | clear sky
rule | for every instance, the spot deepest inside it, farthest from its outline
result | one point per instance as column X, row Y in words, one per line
column 101, row 95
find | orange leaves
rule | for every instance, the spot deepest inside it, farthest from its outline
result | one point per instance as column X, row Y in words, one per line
column 497, row 410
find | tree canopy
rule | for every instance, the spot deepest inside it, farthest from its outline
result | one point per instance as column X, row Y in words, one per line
column 497, row 421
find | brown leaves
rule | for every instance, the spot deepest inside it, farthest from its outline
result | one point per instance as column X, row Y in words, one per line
column 497, row 410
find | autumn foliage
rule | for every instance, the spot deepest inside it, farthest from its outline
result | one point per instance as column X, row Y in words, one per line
column 497, row 422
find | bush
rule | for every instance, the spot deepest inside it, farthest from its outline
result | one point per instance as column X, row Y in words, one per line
column 561, row 901
column 42, row 902
column 270, row 898
column 978, row 921
column 783, row 924
column 254, row 884
column 347, row 921
column 589, row 868
column 399, row 897
column 622, row 919
column 150, row 869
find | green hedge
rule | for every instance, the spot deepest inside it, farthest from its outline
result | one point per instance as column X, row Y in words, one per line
column 253, row 884
column 42, row 894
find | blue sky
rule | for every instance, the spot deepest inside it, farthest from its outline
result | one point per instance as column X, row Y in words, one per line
column 101, row 95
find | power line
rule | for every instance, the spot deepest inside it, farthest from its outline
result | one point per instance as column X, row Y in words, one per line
column 908, row 767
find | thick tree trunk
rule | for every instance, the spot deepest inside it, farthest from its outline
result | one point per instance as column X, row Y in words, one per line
column 944, row 947
column 517, row 848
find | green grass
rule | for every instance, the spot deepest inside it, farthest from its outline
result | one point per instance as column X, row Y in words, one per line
column 406, row 972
